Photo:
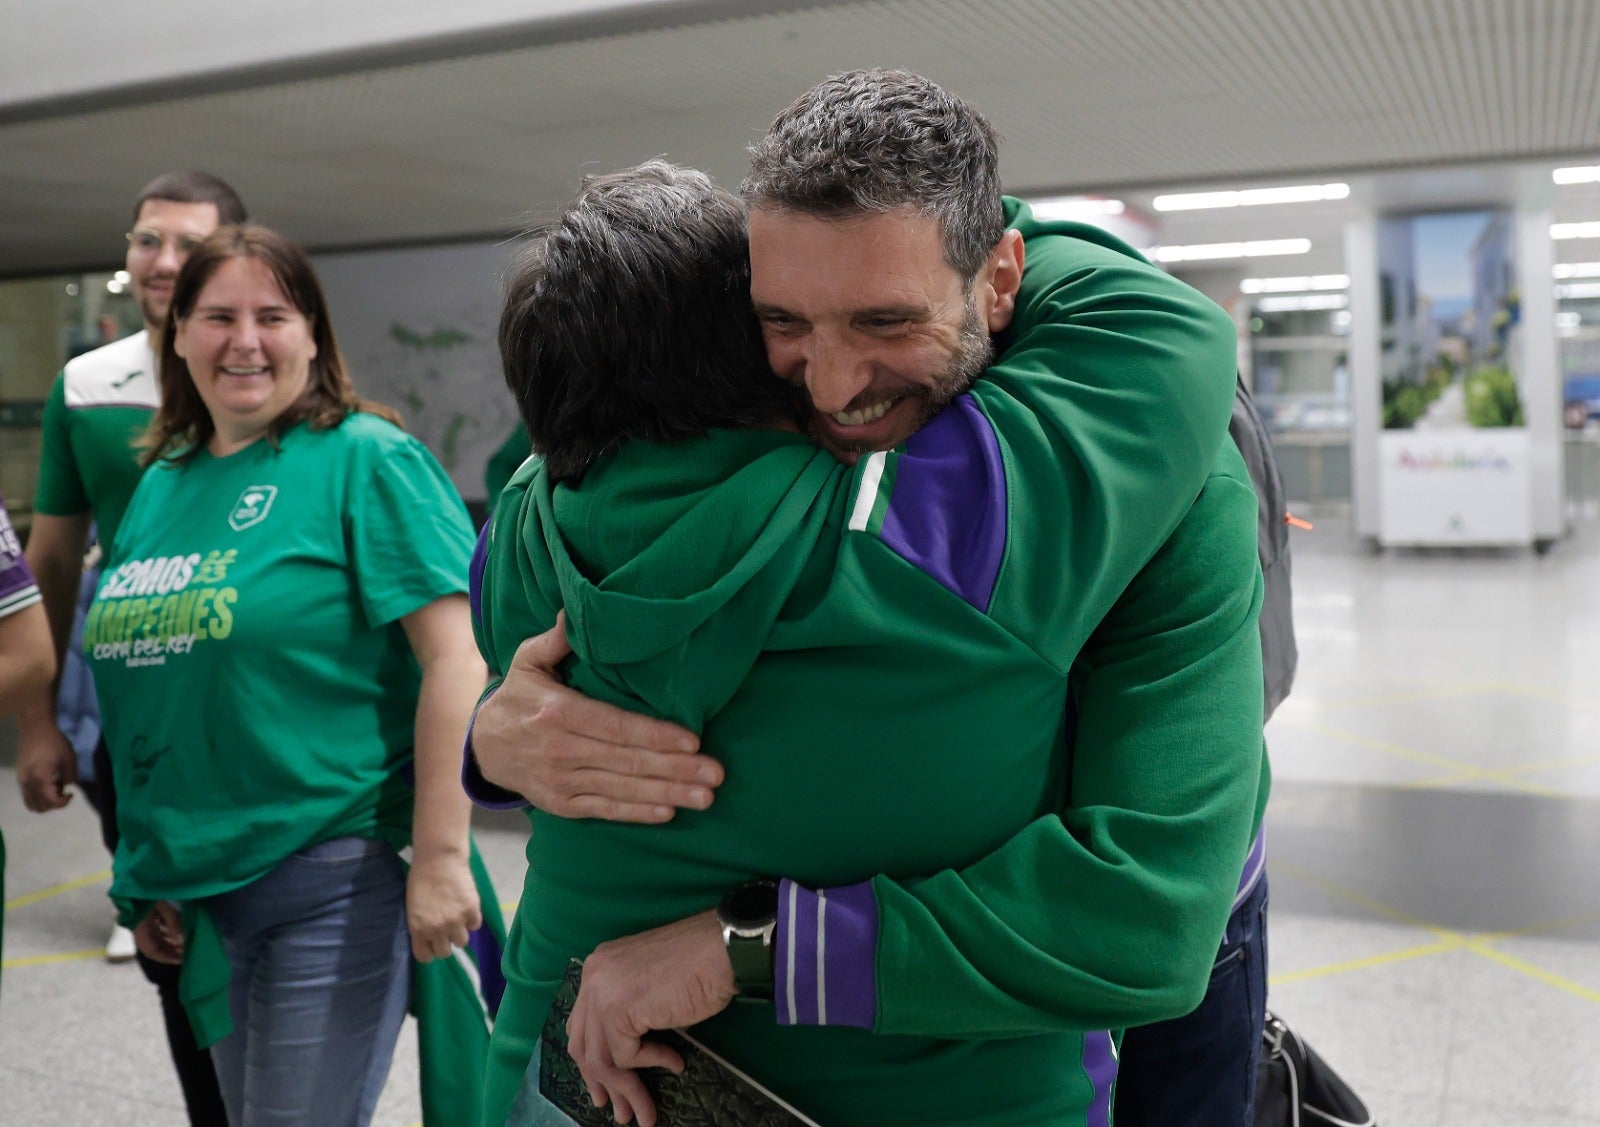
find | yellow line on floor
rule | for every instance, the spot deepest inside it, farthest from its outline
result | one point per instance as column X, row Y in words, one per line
column 1540, row 929
column 1459, row 771
column 1508, row 775
column 1443, row 934
column 57, row 889
column 1449, row 940
column 1549, row 764
column 1533, row 971
column 1398, row 751
column 1480, row 775
column 1329, row 969
column 47, row 960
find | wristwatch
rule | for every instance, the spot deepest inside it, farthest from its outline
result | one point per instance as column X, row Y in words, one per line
column 749, row 918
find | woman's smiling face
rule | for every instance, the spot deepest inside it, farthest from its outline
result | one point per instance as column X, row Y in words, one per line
column 249, row 351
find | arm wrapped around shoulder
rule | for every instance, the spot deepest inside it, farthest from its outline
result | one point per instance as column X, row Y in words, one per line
column 1109, row 913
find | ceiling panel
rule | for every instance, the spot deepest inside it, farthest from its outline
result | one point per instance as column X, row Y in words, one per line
column 1090, row 94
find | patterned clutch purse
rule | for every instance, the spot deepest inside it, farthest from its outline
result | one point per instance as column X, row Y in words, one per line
column 709, row 1093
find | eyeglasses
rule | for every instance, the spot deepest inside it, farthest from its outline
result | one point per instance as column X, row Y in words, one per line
column 149, row 242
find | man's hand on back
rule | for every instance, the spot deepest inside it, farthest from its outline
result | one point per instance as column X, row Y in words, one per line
column 579, row 758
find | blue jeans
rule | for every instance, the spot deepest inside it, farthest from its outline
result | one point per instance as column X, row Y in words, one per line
column 1200, row 1070
column 531, row 1108
column 321, row 977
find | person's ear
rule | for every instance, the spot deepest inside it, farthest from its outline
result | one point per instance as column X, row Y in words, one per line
column 1001, row 279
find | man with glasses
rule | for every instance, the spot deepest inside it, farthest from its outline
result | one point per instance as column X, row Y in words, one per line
column 98, row 407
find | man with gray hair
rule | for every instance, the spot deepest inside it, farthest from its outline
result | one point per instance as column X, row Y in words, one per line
column 883, row 264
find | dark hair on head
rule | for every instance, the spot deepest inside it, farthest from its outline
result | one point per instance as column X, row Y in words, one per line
column 874, row 141
column 629, row 317
column 194, row 187
column 182, row 424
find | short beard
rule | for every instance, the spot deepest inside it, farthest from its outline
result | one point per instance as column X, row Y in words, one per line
column 973, row 354
column 149, row 319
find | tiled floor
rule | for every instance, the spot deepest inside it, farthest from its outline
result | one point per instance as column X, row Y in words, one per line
column 1433, row 835
column 1434, row 829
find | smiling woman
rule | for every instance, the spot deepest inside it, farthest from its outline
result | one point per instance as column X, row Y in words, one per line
column 285, row 666
column 249, row 351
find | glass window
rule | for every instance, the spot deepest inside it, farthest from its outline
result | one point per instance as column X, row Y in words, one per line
column 44, row 322
column 1298, row 359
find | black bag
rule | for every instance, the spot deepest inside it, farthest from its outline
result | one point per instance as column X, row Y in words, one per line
column 1296, row 1088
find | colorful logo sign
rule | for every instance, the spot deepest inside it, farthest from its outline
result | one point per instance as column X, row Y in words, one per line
column 1433, row 461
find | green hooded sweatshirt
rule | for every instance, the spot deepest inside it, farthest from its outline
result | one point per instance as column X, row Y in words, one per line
column 882, row 657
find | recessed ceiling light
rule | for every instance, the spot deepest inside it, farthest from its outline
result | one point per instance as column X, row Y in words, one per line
column 1577, row 270
column 1251, row 197
column 1079, row 208
column 1301, row 302
column 1260, row 248
column 1589, row 230
column 1582, row 174
column 1294, row 285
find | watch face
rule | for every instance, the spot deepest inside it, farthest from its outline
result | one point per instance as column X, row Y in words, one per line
column 751, row 905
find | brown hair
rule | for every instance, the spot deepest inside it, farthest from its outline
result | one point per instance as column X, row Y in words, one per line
column 183, row 425
column 194, row 187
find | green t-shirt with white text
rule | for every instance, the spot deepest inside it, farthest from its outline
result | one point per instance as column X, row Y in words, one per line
column 258, row 690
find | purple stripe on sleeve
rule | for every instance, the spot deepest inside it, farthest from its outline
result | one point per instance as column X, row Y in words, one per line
column 480, row 557
column 486, row 955
column 1254, row 865
column 851, row 963
column 826, row 955
column 17, row 588
column 479, row 789
column 1100, row 1066
column 947, row 514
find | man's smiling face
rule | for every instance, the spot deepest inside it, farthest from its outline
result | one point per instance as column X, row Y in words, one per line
column 162, row 237
column 864, row 312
